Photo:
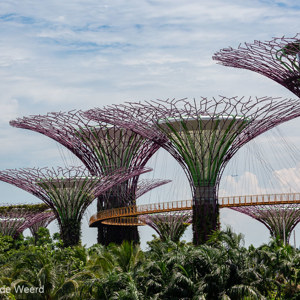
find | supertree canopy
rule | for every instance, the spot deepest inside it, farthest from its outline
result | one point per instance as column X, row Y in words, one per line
column 146, row 185
column 280, row 219
column 169, row 226
column 14, row 219
column 68, row 192
column 99, row 145
column 278, row 59
column 45, row 218
column 202, row 136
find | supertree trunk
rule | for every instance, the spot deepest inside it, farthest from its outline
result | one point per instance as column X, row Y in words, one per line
column 205, row 213
column 121, row 195
column 111, row 199
column 117, row 234
column 70, row 232
column 114, row 234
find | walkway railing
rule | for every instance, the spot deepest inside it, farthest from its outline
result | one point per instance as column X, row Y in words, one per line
column 233, row 201
column 267, row 199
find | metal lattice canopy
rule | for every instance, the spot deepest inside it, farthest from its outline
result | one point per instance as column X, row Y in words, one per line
column 44, row 219
column 280, row 219
column 202, row 135
column 146, row 185
column 97, row 144
column 169, row 226
column 68, row 192
column 14, row 219
column 278, row 59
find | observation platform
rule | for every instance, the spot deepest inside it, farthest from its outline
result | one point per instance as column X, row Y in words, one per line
column 128, row 216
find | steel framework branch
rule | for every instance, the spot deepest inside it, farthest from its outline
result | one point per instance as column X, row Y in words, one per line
column 278, row 59
column 41, row 220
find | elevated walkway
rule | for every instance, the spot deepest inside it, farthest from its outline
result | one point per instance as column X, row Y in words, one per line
column 119, row 216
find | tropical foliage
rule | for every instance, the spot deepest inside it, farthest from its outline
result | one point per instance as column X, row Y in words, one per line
column 220, row 269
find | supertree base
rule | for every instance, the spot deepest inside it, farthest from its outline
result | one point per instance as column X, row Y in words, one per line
column 117, row 234
column 111, row 233
column 205, row 222
column 205, row 214
column 70, row 232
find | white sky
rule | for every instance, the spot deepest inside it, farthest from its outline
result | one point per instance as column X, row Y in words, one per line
column 60, row 55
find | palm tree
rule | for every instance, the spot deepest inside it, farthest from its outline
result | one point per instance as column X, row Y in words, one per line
column 111, row 271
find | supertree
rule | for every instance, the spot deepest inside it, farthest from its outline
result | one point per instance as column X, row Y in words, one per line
column 68, row 192
column 14, row 219
column 43, row 220
column 98, row 145
column 280, row 219
column 202, row 136
column 278, row 59
column 169, row 226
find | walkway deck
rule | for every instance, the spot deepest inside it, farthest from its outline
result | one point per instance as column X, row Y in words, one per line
column 119, row 216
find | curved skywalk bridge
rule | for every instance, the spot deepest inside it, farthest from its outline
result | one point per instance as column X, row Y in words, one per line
column 128, row 216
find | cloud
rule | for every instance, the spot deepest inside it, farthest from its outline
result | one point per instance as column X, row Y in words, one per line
column 70, row 52
column 246, row 184
column 289, row 178
column 8, row 110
